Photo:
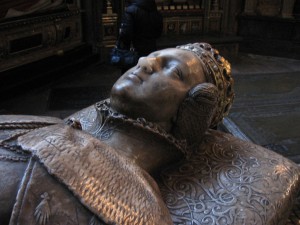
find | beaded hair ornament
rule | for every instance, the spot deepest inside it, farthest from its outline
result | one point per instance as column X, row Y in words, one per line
column 217, row 71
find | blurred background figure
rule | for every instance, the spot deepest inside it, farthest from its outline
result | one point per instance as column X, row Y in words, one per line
column 141, row 25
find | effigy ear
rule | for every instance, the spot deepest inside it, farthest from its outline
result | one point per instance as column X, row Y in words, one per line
column 195, row 113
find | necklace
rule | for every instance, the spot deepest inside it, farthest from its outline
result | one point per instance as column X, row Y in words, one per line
column 110, row 120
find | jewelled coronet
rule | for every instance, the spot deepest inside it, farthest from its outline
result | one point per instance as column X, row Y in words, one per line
column 217, row 70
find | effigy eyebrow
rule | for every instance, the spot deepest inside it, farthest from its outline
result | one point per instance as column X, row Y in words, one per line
column 154, row 54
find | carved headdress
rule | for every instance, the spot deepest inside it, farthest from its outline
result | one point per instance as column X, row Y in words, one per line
column 217, row 71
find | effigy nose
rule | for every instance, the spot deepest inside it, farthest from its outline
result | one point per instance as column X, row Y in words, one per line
column 146, row 64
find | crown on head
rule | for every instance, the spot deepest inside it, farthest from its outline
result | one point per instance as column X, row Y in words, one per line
column 217, row 70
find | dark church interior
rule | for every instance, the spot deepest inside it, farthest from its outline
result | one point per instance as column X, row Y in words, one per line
column 54, row 60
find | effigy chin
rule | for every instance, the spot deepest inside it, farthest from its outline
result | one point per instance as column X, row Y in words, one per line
column 146, row 155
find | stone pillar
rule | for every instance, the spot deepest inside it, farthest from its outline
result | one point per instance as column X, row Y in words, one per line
column 287, row 8
column 250, row 7
column 215, row 5
column 215, row 17
column 207, row 7
column 109, row 8
column 109, row 26
column 109, row 31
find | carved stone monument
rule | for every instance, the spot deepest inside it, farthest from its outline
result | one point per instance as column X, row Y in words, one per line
column 147, row 155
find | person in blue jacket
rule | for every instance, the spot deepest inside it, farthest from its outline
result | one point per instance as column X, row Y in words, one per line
column 140, row 27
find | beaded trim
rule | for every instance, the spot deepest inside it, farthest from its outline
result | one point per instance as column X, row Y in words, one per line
column 105, row 110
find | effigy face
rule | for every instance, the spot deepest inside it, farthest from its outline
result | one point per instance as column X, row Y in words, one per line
column 157, row 85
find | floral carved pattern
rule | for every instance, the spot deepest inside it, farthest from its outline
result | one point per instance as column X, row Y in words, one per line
column 229, row 181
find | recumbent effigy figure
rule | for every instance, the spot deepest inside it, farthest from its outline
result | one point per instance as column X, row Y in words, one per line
column 146, row 155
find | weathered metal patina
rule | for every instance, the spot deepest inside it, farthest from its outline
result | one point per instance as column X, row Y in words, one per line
column 147, row 155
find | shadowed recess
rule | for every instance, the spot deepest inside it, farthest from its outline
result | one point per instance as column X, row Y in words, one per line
column 267, row 111
column 76, row 97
